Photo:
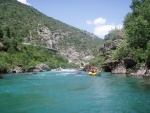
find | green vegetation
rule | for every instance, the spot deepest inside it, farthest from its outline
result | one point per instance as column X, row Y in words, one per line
column 20, row 23
column 17, row 54
column 97, row 62
column 135, row 36
column 117, row 53
column 115, row 34
column 19, row 20
column 137, row 24
column 138, row 29
column 121, row 52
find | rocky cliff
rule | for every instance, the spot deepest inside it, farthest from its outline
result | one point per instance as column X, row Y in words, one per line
column 125, row 65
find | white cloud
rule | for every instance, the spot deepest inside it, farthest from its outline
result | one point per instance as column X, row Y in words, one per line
column 104, row 29
column 99, row 21
column 101, row 28
column 88, row 22
column 24, row 2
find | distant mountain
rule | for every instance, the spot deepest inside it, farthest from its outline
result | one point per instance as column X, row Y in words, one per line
column 34, row 28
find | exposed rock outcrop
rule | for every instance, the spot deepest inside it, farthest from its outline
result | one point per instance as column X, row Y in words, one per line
column 141, row 72
column 122, row 66
column 47, row 37
column 119, row 69
column 74, row 56
column 38, row 68
column 18, row 69
column 109, row 46
column 55, row 39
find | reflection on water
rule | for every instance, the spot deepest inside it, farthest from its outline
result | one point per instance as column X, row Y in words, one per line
column 71, row 91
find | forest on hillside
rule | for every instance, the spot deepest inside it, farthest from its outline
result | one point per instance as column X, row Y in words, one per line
column 21, row 23
column 135, row 38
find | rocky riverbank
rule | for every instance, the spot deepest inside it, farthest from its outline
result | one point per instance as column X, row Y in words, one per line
column 37, row 68
column 128, row 68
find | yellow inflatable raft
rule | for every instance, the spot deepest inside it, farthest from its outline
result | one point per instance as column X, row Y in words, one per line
column 93, row 74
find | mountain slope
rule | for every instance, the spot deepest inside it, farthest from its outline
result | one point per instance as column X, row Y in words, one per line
column 35, row 28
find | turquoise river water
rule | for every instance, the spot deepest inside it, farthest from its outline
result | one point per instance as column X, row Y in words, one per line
column 71, row 91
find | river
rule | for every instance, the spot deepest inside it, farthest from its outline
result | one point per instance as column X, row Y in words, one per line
column 71, row 91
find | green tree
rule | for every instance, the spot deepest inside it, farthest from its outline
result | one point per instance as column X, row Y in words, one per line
column 121, row 52
column 137, row 24
column 148, row 54
column 1, row 33
column 113, row 34
column 8, row 32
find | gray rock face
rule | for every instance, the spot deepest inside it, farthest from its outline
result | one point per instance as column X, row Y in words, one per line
column 147, row 74
column 141, row 72
column 63, row 41
column 17, row 69
column 47, row 37
column 111, row 65
column 38, row 68
column 52, row 39
column 75, row 57
column 119, row 69
column 125, row 65
column 109, row 46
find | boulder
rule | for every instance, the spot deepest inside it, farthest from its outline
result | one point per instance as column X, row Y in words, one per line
column 18, row 69
column 119, row 69
column 38, row 68
column 42, row 67
column 141, row 72
column 31, row 69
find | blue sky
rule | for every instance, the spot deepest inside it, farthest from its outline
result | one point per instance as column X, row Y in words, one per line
column 95, row 16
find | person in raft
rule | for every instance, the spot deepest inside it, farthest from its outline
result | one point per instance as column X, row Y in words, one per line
column 92, row 70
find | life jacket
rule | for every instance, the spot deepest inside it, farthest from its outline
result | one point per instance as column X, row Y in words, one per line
column 92, row 70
